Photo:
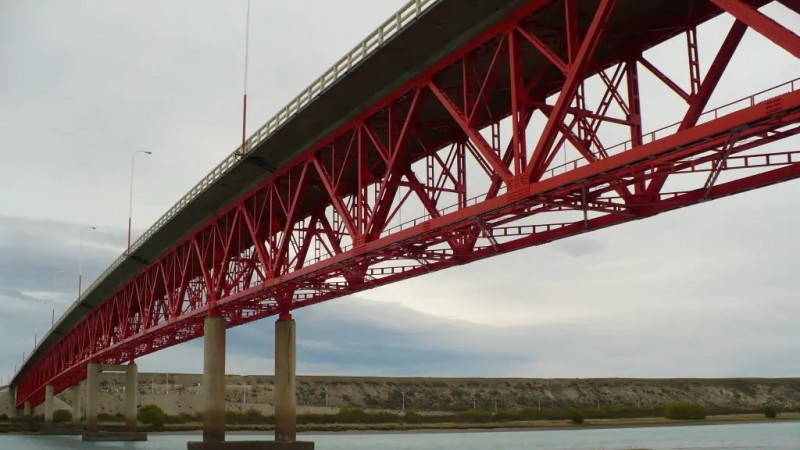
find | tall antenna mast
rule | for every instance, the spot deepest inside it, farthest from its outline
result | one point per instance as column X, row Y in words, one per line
column 244, row 100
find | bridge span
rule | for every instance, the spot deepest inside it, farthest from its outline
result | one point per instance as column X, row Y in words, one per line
column 455, row 132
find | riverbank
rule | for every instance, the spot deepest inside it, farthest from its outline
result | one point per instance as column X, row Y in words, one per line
column 538, row 425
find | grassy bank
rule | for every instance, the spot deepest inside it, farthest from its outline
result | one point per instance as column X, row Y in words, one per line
column 362, row 421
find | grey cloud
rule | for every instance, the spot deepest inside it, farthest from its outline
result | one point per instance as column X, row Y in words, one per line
column 707, row 291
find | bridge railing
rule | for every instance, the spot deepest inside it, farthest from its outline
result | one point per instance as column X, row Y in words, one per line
column 405, row 16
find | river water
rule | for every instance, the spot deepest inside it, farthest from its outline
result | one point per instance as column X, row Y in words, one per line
column 762, row 436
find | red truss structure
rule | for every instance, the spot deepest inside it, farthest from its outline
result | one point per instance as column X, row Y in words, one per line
column 510, row 142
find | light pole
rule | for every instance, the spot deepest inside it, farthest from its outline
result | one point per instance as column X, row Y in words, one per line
column 55, row 283
column 130, row 202
column 80, row 261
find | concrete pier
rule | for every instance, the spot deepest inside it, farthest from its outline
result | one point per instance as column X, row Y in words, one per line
column 92, row 392
column 285, row 391
column 214, row 379
column 12, row 401
column 48, row 406
column 131, row 388
column 77, row 401
column 93, row 372
column 285, row 387
column 26, row 409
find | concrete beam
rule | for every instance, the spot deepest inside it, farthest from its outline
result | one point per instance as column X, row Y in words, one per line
column 214, row 379
column 118, row 368
column 285, row 384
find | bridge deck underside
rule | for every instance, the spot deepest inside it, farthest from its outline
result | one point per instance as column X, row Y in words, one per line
column 505, row 143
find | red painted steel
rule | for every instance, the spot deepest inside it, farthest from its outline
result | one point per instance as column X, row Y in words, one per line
column 459, row 148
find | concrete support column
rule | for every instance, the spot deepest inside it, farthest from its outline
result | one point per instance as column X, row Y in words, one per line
column 92, row 392
column 285, row 387
column 26, row 409
column 48, row 406
column 77, row 400
column 214, row 379
column 12, row 400
column 131, row 388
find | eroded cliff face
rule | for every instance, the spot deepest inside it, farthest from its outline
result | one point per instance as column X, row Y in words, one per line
column 180, row 393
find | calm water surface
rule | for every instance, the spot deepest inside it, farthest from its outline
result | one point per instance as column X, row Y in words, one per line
column 779, row 436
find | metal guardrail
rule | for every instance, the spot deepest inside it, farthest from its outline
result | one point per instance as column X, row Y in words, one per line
column 406, row 15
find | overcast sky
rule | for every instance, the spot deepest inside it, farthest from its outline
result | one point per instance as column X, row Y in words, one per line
column 707, row 291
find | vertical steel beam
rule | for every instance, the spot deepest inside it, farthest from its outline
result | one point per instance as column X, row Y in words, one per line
column 699, row 101
column 519, row 101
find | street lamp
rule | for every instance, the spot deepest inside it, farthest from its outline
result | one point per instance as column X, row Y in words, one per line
column 80, row 261
column 53, row 311
column 130, row 202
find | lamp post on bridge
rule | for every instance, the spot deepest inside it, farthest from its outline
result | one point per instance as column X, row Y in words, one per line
column 55, row 289
column 130, row 201
column 80, row 263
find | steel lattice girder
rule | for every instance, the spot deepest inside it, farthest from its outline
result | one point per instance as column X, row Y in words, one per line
column 329, row 224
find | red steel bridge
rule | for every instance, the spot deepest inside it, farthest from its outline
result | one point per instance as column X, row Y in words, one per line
column 457, row 131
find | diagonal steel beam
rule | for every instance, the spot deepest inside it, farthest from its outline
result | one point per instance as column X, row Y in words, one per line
column 767, row 27
column 576, row 74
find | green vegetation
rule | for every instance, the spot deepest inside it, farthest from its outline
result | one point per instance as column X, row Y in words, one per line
column 61, row 416
column 684, row 411
column 152, row 415
column 249, row 417
column 353, row 416
column 477, row 416
column 770, row 412
column 411, row 416
column 184, row 418
column 350, row 415
column 575, row 416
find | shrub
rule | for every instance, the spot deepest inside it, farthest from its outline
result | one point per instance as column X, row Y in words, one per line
column 684, row 411
column 3, row 417
column 476, row 416
column 152, row 415
column 770, row 411
column 182, row 418
column 575, row 416
column 62, row 415
column 250, row 417
column 411, row 416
